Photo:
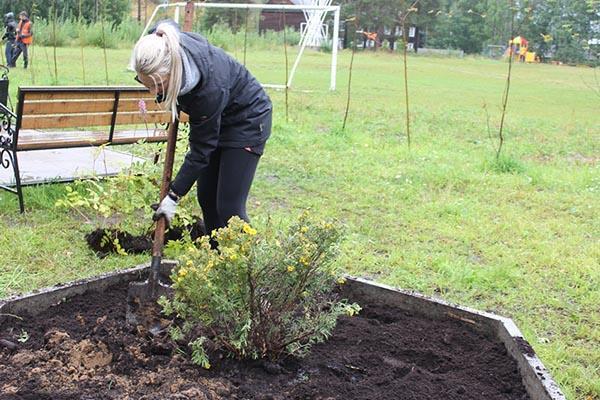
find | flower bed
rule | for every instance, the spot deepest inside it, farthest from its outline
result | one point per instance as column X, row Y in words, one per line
column 82, row 349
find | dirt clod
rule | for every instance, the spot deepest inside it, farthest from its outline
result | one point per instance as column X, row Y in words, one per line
column 8, row 344
column 90, row 355
column 55, row 337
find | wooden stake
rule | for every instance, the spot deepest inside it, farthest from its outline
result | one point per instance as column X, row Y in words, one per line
column 54, row 16
column 405, row 55
column 104, row 44
column 79, row 25
column 188, row 21
column 354, row 45
column 286, row 69
column 246, row 35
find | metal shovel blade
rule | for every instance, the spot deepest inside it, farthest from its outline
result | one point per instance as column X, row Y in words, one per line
column 142, row 297
column 142, row 310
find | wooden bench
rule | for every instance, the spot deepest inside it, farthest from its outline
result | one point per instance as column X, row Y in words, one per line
column 64, row 117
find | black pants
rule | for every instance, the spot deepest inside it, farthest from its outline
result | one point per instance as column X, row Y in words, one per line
column 224, row 185
column 21, row 48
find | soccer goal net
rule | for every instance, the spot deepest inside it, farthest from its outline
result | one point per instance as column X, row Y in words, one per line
column 242, row 27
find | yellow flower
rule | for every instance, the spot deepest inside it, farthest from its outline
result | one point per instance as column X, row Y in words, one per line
column 352, row 309
column 328, row 225
column 249, row 230
column 183, row 272
column 304, row 229
column 341, row 280
column 303, row 260
column 233, row 257
column 291, row 268
column 189, row 263
column 208, row 266
column 205, row 245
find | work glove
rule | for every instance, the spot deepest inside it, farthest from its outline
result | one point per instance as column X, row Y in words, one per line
column 166, row 208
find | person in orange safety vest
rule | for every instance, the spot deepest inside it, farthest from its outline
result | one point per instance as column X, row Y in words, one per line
column 24, row 39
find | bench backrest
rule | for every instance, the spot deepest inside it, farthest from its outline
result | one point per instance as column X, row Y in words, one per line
column 58, row 107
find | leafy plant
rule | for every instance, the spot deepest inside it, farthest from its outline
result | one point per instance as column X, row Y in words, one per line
column 76, row 32
column 23, row 336
column 505, row 165
column 259, row 295
column 122, row 195
column 107, row 240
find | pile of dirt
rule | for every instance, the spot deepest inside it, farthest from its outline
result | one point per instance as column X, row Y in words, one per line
column 82, row 349
column 104, row 241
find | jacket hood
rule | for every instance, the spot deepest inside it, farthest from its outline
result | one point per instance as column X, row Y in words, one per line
column 193, row 47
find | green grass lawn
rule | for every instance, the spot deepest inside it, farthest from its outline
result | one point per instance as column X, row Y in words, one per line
column 441, row 218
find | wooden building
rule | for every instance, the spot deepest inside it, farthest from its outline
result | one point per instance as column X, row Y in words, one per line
column 392, row 38
column 416, row 37
column 273, row 19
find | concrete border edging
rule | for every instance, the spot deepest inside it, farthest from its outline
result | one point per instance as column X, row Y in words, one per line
column 39, row 300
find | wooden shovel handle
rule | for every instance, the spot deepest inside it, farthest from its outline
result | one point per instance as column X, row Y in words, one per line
column 161, row 224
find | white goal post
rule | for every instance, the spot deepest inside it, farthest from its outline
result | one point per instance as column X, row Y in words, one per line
column 317, row 12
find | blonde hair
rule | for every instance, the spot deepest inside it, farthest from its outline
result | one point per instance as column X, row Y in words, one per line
column 158, row 55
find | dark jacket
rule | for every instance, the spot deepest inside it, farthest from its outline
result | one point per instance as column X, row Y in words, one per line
column 227, row 108
column 10, row 32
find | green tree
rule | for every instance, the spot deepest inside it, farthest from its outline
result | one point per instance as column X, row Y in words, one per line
column 116, row 10
column 460, row 25
column 563, row 29
column 236, row 19
column 497, row 22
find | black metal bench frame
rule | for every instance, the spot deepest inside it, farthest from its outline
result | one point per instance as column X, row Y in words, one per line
column 8, row 151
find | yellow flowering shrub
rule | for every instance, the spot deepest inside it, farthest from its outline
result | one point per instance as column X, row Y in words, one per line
column 260, row 294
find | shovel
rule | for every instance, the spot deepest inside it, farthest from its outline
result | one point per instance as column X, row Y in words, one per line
column 142, row 296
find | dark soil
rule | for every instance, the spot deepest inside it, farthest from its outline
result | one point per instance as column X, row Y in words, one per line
column 102, row 240
column 83, row 350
